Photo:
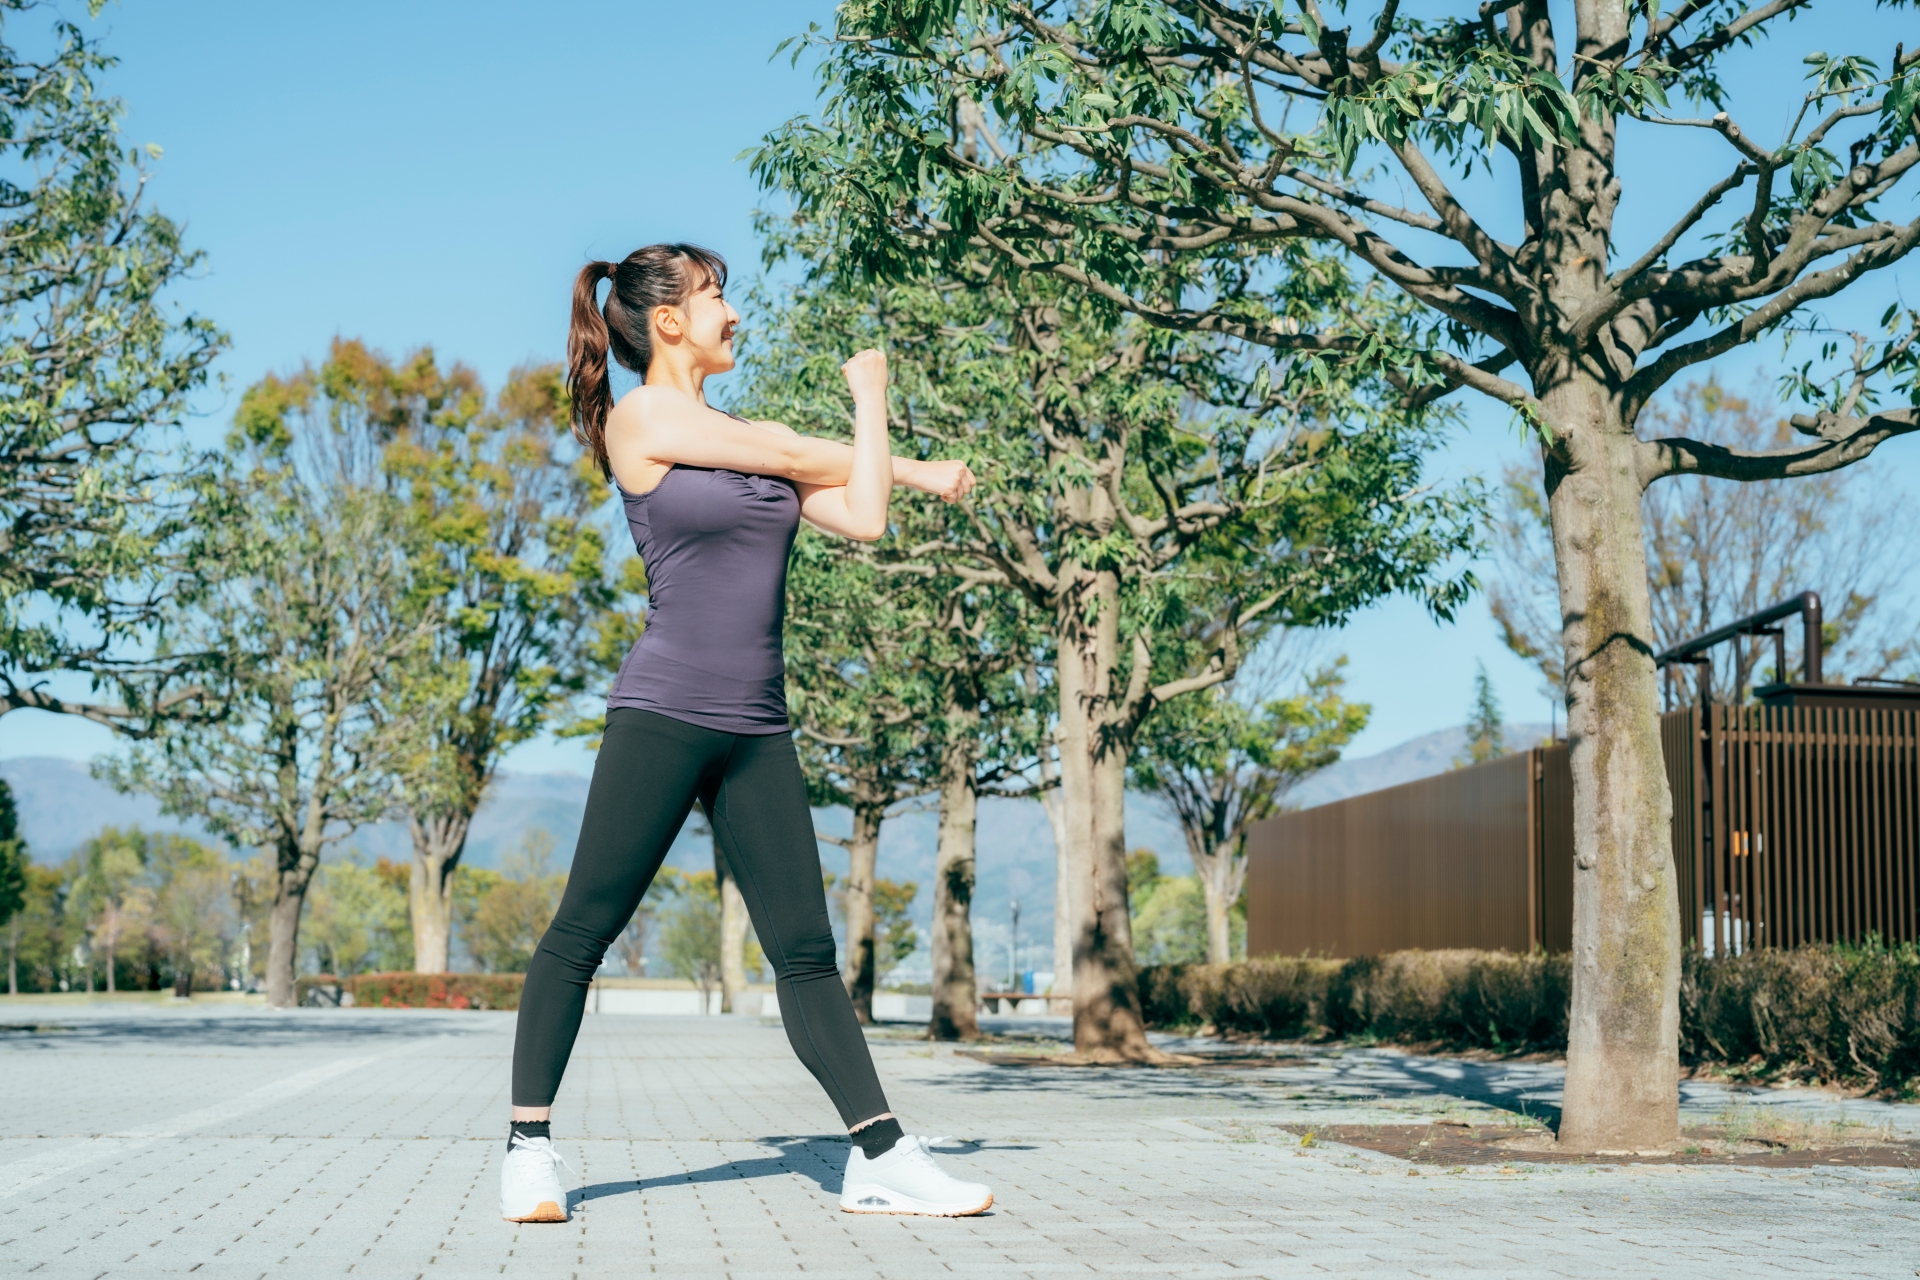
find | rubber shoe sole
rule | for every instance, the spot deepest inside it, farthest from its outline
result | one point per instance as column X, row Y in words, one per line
column 877, row 1200
column 545, row 1211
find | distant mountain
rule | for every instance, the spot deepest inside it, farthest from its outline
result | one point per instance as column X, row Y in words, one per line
column 1420, row 757
column 62, row 804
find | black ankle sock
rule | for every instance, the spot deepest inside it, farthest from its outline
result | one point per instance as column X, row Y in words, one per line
column 529, row 1129
column 877, row 1138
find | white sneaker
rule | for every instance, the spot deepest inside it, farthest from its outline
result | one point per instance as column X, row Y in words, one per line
column 530, row 1189
column 906, row 1180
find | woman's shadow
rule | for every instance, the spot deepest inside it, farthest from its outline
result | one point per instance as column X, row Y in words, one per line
column 821, row 1158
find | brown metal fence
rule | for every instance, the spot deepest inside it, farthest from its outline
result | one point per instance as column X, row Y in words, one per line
column 1790, row 825
column 1442, row 862
column 1811, row 833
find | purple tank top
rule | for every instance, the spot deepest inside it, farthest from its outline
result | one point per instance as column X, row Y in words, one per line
column 715, row 544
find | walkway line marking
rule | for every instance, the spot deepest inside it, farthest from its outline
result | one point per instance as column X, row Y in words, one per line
column 34, row 1170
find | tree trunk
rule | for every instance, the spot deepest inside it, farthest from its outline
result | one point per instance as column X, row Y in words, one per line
column 13, row 959
column 1622, row 1091
column 1219, row 907
column 113, row 943
column 1221, row 873
column 862, row 851
column 956, row 1004
column 439, row 840
column 182, row 982
column 1107, row 1022
column 283, row 923
column 1051, row 801
column 733, row 935
column 282, row 944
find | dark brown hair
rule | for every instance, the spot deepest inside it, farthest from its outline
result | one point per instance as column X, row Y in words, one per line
column 660, row 275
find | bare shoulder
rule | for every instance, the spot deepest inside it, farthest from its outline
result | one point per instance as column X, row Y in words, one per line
column 778, row 428
column 645, row 404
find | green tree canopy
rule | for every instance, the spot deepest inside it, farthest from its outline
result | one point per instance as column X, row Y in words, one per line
column 1153, row 503
column 94, row 367
column 308, row 591
column 1295, row 177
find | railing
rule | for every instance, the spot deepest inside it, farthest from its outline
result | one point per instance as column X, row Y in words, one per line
column 1790, row 825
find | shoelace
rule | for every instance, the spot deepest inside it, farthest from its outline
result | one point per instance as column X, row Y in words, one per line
column 520, row 1140
column 921, row 1152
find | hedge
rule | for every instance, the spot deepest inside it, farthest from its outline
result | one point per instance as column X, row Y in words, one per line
column 422, row 990
column 1846, row 1015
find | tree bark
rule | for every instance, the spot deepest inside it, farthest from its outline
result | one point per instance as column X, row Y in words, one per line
column 1108, row 1025
column 13, row 958
column 956, row 1005
column 283, row 921
column 438, row 843
column 862, row 851
column 1051, row 801
column 1622, row 1091
column 1219, row 906
column 733, row 935
column 283, row 942
column 113, row 943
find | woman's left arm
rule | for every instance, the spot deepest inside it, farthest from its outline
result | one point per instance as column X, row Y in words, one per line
column 860, row 508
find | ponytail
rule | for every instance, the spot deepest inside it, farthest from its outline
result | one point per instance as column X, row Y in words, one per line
column 658, row 275
column 588, row 388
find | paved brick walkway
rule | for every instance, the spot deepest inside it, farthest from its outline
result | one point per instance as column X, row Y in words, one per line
column 241, row 1143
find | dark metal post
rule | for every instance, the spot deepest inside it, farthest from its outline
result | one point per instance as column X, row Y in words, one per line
column 1813, row 638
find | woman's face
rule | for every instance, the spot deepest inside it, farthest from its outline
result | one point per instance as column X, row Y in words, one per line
column 706, row 323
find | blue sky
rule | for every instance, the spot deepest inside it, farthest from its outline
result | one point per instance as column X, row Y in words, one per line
column 434, row 173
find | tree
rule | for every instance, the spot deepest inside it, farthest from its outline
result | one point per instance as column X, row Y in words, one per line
column 13, row 882
column 861, row 741
column 959, row 643
column 192, row 917
column 690, row 940
column 1486, row 738
column 357, row 918
column 501, row 507
column 1222, row 765
column 95, row 367
column 897, row 936
column 1169, row 914
column 38, row 938
column 631, row 945
column 1719, row 550
column 308, row 592
column 512, row 916
column 105, row 895
column 1235, row 148
column 1117, row 506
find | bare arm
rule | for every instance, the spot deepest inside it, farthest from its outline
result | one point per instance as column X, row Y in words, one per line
column 659, row 426
column 869, row 483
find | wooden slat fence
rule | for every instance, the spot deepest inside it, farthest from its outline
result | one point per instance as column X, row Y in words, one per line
column 1790, row 825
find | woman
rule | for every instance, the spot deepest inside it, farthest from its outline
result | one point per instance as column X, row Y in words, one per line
column 698, row 710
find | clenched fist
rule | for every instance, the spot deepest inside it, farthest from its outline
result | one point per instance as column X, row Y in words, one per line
column 949, row 480
column 867, row 375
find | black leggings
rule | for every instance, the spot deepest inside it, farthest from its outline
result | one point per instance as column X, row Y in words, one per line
column 649, row 772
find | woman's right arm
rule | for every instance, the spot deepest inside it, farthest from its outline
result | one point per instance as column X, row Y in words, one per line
column 661, row 425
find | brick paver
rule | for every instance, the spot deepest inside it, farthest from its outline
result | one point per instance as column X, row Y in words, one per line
column 243, row 1143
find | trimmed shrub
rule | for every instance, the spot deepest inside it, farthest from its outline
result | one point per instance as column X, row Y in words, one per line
column 1840, row 1013
column 437, row 990
column 1475, row 999
column 1848, row 1015
column 419, row 990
